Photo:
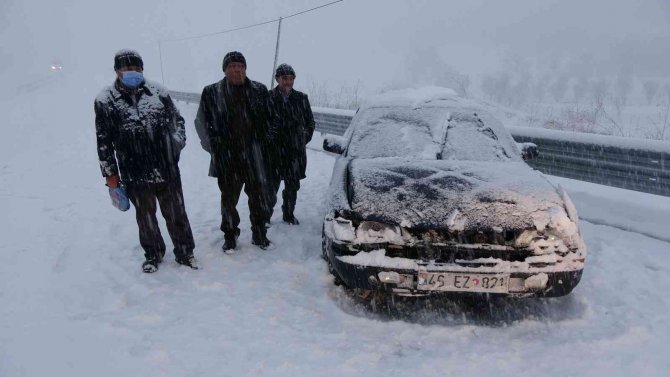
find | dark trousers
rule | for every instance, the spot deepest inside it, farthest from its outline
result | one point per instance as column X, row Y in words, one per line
column 171, row 201
column 231, row 187
column 289, row 194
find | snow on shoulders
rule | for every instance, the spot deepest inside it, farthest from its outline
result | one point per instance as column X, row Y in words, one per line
column 104, row 93
column 156, row 87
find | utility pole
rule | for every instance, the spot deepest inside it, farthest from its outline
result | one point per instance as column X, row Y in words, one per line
column 160, row 55
column 274, row 67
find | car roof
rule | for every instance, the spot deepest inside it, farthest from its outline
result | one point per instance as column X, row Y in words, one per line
column 421, row 97
column 472, row 128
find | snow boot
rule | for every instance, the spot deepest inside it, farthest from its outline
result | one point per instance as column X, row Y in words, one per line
column 188, row 262
column 291, row 219
column 261, row 240
column 150, row 266
column 230, row 242
column 229, row 245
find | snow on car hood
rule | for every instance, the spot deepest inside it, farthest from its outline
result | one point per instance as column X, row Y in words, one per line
column 459, row 195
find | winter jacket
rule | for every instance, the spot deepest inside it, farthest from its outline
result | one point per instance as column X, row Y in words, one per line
column 140, row 133
column 235, row 129
column 295, row 131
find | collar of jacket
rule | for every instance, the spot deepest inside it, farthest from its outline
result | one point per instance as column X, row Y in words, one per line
column 120, row 91
column 247, row 83
column 279, row 93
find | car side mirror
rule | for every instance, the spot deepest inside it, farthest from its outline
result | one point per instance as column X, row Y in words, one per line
column 333, row 144
column 529, row 151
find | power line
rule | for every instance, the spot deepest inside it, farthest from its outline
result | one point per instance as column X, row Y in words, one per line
column 309, row 10
column 222, row 32
column 251, row 26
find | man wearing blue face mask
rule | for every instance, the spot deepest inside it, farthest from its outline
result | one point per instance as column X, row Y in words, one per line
column 140, row 136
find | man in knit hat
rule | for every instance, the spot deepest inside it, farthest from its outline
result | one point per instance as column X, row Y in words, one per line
column 235, row 123
column 295, row 131
column 140, row 136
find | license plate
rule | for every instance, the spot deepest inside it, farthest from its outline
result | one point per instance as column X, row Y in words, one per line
column 463, row 282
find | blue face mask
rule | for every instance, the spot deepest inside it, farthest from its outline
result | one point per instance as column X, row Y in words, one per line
column 132, row 79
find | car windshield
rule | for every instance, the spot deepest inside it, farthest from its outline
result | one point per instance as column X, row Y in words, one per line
column 478, row 137
column 397, row 132
column 430, row 133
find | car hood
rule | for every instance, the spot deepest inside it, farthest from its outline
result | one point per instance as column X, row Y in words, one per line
column 457, row 195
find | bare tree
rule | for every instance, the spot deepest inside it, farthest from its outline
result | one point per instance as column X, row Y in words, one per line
column 539, row 89
column 461, row 83
column 650, row 89
column 599, row 89
column 558, row 88
column 345, row 97
column 661, row 122
column 580, row 88
column 435, row 70
column 489, row 87
column 318, row 93
column 622, row 86
column 498, row 88
column 666, row 89
column 447, row 76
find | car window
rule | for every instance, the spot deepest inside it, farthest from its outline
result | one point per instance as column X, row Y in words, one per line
column 397, row 132
column 477, row 137
column 430, row 133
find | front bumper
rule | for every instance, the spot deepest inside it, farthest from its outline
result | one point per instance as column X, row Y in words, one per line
column 363, row 270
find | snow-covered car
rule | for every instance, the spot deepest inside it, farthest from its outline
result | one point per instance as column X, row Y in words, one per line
column 56, row 65
column 431, row 194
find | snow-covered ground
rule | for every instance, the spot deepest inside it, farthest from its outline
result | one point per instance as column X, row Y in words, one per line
column 74, row 302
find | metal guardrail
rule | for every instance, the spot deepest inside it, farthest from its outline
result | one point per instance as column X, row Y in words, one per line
column 631, row 164
column 186, row 97
column 333, row 124
column 601, row 159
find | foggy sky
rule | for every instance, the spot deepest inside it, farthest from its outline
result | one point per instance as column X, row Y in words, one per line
column 374, row 41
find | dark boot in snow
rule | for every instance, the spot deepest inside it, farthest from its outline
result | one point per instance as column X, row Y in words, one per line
column 230, row 241
column 261, row 240
column 290, row 219
column 229, row 245
column 188, row 262
column 290, row 195
column 150, row 266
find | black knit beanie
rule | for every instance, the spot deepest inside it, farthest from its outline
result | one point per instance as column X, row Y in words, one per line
column 284, row 70
column 127, row 58
column 234, row 57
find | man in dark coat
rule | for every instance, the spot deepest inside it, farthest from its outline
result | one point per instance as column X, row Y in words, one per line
column 235, row 125
column 295, row 131
column 140, row 136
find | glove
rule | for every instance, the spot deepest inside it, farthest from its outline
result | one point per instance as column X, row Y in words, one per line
column 113, row 181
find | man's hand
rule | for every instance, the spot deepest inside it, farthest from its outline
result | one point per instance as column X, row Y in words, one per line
column 113, row 181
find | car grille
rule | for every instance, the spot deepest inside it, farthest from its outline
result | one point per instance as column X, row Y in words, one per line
column 457, row 247
column 470, row 237
column 450, row 253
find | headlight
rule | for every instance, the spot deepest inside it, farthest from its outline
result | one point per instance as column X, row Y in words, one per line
column 376, row 232
column 367, row 232
column 547, row 242
column 341, row 229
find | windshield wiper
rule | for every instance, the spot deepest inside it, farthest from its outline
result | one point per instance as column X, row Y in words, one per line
column 443, row 141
